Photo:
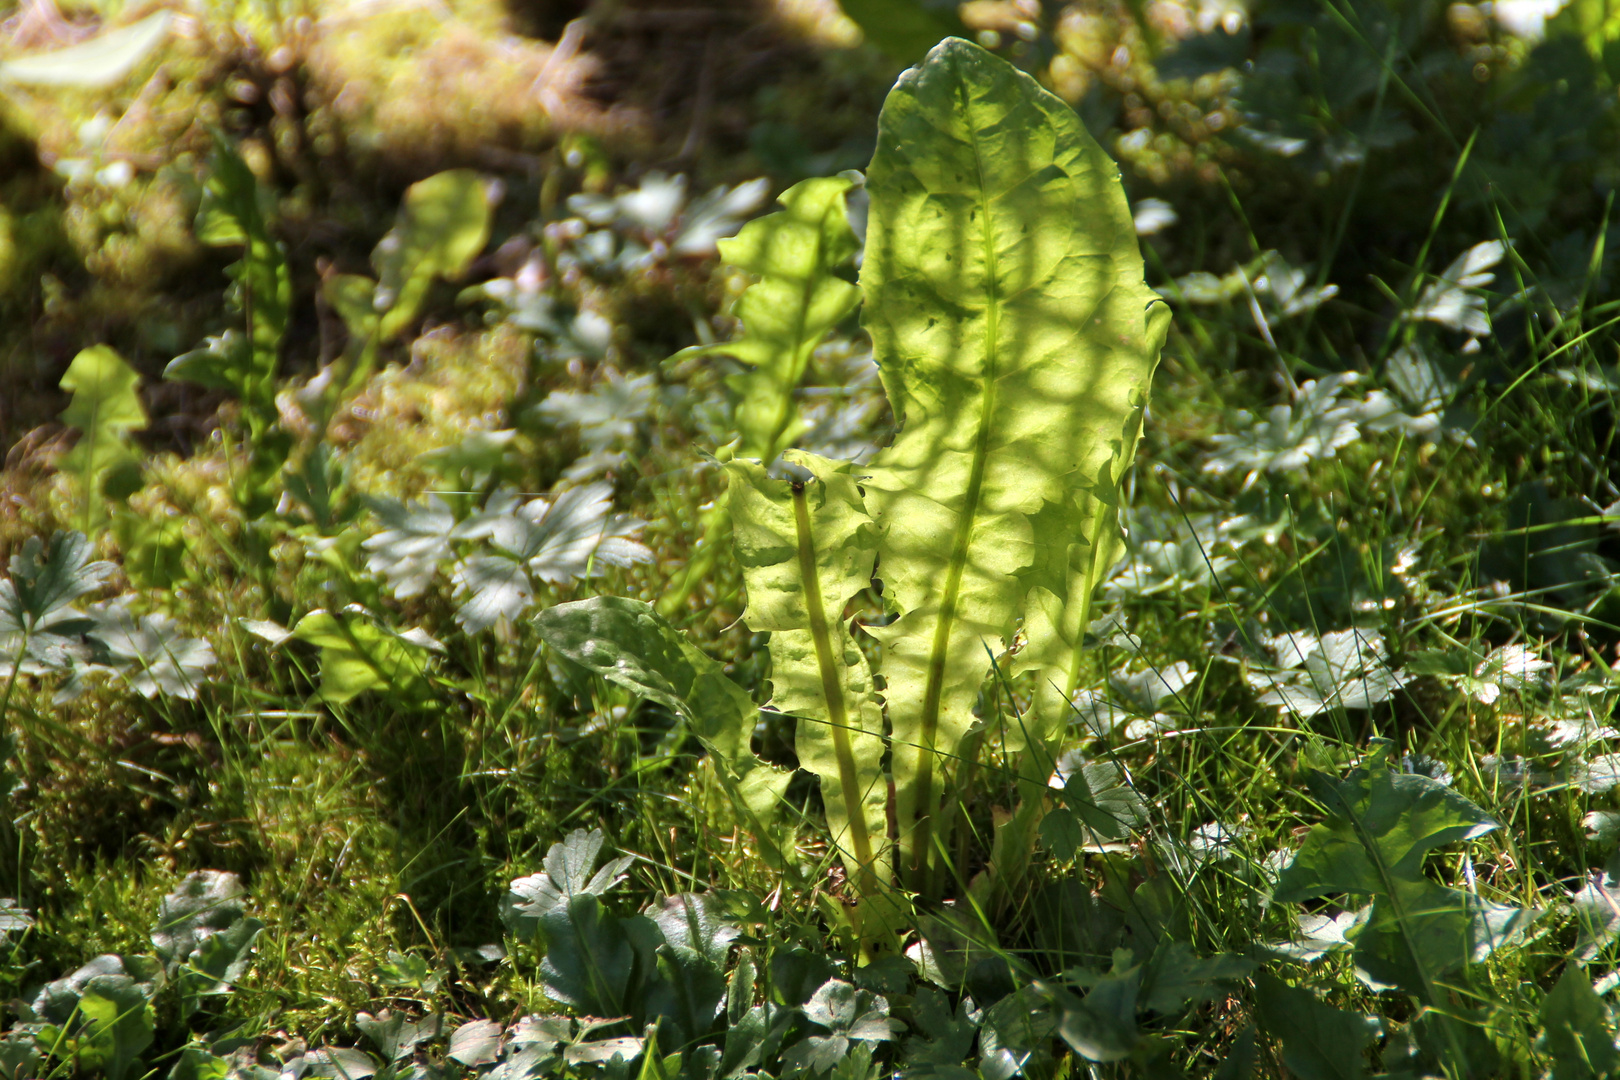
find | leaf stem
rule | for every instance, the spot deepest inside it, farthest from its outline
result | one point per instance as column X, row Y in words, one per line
column 832, row 688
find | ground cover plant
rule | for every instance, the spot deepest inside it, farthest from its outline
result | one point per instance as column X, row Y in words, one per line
column 623, row 568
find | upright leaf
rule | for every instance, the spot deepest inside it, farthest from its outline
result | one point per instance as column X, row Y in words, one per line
column 789, row 310
column 106, row 410
column 443, row 225
column 806, row 550
column 232, row 215
column 1016, row 338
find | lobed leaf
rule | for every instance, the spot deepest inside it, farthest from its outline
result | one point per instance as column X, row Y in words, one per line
column 1383, row 824
column 1016, row 341
column 806, row 550
column 1319, row 1041
column 789, row 310
column 106, row 410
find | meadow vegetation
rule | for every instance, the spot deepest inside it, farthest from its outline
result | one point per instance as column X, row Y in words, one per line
column 624, row 541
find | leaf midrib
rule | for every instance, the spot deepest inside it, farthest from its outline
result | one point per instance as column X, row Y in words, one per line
column 832, row 690
column 938, row 653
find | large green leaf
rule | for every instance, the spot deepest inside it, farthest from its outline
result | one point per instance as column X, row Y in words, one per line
column 806, row 550
column 106, row 410
column 442, row 226
column 788, row 311
column 1383, row 824
column 1016, row 338
column 629, row 644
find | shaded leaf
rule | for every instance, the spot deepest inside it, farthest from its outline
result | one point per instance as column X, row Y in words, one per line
column 117, row 1025
column 589, row 959
column 1420, row 931
column 395, row 1035
column 1319, row 1041
column 1383, row 824
column 1576, row 1029
column 904, row 29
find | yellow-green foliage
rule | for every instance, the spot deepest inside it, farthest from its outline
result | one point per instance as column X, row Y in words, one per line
column 429, row 84
column 456, row 383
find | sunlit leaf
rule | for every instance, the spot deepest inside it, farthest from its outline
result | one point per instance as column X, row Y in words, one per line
column 1016, row 340
column 106, row 410
column 443, row 224
column 789, row 310
column 358, row 655
column 151, row 653
column 407, row 553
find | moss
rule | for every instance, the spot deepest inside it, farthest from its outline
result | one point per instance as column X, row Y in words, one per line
column 457, row 382
column 421, row 87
